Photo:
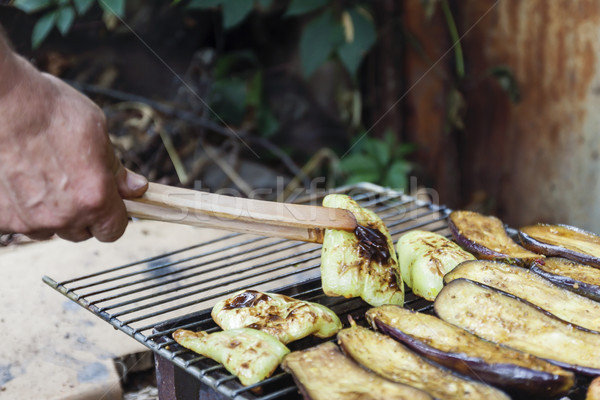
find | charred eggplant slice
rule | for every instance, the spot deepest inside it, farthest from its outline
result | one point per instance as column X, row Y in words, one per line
column 524, row 284
column 285, row 318
column 390, row 359
column 424, row 258
column 469, row 355
column 562, row 241
column 486, row 237
column 579, row 278
column 324, row 373
column 507, row 320
column 249, row 354
column 350, row 271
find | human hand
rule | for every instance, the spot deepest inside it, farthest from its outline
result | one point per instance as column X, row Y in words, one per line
column 58, row 170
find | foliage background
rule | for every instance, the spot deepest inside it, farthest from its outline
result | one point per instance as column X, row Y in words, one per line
column 258, row 94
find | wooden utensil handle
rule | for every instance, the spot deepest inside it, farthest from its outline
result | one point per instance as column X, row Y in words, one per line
column 191, row 207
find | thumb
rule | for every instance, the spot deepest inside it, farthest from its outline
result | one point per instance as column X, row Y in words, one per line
column 129, row 183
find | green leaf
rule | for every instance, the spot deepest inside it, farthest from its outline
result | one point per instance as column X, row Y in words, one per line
column 42, row 28
column 83, row 6
column 254, row 97
column 401, row 150
column 299, row 7
column 30, row 6
column 233, row 61
column 379, row 151
column 228, row 99
column 234, row 11
column 203, row 4
column 116, row 7
column 267, row 123
column 456, row 106
column 397, row 175
column 390, row 138
column 359, row 163
column 372, row 177
column 64, row 19
column 319, row 38
column 352, row 52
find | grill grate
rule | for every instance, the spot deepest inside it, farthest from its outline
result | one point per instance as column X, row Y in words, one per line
column 151, row 298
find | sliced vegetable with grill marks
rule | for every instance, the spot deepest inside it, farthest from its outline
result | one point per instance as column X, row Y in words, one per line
column 524, row 284
column 485, row 237
column 249, row 354
column 392, row 360
column 286, row 318
column 505, row 319
column 469, row 355
column 424, row 258
column 562, row 241
column 324, row 373
column 579, row 278
column 350, row 269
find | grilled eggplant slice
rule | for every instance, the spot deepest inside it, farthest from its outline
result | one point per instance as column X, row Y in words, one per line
column 562, row 241
column 579, row 278
column 424, row 258
column 285, row 318
column 505, row 319
column 486, row 237
column 593, row 392
column 249, row 354
column 522, row 283
column 390, row 359
column 324, row 373
column 347, row 270
column 469, row 355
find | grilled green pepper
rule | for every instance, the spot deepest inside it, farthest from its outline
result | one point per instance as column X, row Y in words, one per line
column 424, row 258
column 348, row 270
column 249, row 354
column 285, row 318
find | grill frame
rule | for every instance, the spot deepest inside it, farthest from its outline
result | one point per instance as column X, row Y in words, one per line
column 400, row 212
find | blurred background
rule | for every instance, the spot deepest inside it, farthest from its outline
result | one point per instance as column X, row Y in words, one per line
column 492, row 105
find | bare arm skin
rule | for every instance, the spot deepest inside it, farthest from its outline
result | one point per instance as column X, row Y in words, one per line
column 58, row 170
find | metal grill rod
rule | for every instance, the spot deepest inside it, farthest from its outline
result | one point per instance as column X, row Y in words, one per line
column 233, row 281
column 211, row 297
column 174, row 280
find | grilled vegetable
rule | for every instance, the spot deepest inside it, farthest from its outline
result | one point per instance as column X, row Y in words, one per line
column 390, row 359
column 249, row 354
column 536, row 290
column 323, row 372
column 424, row 258
column 486, row 237
column 579, row 278
column 504, row 319
column 469, row 355
column 593, row 392
column 285, row 318
column 562, row 241
column 348, row 270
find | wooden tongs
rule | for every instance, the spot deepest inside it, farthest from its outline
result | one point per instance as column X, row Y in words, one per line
column 265, row 218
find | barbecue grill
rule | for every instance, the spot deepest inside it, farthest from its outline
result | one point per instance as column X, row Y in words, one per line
column 149, row 299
